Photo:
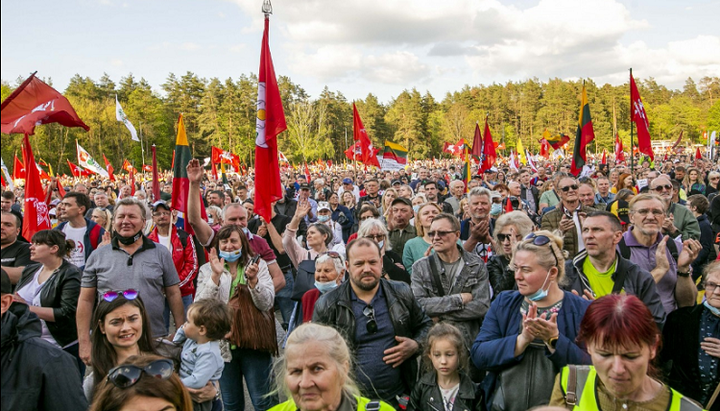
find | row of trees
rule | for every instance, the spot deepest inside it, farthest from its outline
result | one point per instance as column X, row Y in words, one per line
column 222, row 113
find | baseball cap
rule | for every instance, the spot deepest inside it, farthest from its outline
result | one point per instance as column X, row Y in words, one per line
column 494, row 195
column 402, row 200
column 304, row 186
column 160, row 203
column 323, row 205
column 7, row 287
column 623, row 212
column 347, row 180
column 396, row 182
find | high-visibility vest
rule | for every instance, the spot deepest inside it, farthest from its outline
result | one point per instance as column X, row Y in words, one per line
column 585, row 380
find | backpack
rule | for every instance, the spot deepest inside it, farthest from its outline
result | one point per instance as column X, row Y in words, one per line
column 671, row 246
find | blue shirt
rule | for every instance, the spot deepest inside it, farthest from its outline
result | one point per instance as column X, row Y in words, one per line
column 375, row 378
column 199, row 363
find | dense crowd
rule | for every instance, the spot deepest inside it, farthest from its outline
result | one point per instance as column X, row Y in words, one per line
column 371, row 290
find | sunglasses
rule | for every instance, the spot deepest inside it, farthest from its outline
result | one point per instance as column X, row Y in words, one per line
column 125, row 376
column 332, row 254
column 663, row 188
column 376, row 237
column 371, row 325
column 129, row 294
column 504, row 237
column 570, row 187
column 541, row 240
column 439, row 233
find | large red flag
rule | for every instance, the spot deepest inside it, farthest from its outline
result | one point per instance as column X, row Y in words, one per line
column 489, row 154
column 34, row 103
column 270, row 122
column 639, row 116
column 619, row 153
column 477, row 145
column 353, row 152
column 18, row 169
column 368, row 154
column 76, row 171
column 36, row 211
column 109, row 168
column 544, row 148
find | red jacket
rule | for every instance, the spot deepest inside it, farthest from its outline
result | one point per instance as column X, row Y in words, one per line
column 184, row 257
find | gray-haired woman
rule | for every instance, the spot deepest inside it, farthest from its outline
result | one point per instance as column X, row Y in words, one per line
column 510, row 229
column 393, row 268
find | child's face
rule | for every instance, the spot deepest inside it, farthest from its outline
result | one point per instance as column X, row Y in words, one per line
column 192, row 330
column 444, row 357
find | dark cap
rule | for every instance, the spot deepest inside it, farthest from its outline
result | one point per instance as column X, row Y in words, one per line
column 623, row 212
column 396, row 182
column 7, row 287
column 402, row 200
column 160, row 203
column 304, row 186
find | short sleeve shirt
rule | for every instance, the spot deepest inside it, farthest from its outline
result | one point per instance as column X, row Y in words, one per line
column 16, row 254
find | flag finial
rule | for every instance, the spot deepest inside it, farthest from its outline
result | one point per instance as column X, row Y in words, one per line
column 267, row 8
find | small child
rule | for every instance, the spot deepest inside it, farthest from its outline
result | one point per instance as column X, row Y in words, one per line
column 444, row 386
column 207, row 323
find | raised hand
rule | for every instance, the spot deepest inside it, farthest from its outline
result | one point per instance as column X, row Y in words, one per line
column 194, row 171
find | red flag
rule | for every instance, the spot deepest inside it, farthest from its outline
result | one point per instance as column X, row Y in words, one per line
column 132, row 182
column 677, row 143
column 18, row 169
column 74, row 169
column 477, row 145
column 109, row 168
column 368, row 154
column 36, row 211
column 353, row 152
column 544, row 148
column 60, row 188
column 619, row 153
column 34, row 103
column 639, row 116
column 270, row 122
column 307, row 173
column 583, row 136
column 604, row 157
column 508, row 205
column 214, row 170
column 489, row 154
column 147, row 167
column 155, row 177
column 698, row 156
column 127, row 166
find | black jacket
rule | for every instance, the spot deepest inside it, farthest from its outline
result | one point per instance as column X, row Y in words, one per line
column 707, row 240
column 638, row 282
column 535, row 193
column 501, row 278
column 681, row 340
column 426, row 395
column 408, row 319
column 60, row 292
column 35, row 374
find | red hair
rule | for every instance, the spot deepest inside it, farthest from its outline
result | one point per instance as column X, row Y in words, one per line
column 619, row 321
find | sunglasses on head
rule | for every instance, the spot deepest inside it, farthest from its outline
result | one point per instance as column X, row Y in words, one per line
column 129, row 294
column 541, row 240
column 332, row 254
column 570, row 187
column 125, row 376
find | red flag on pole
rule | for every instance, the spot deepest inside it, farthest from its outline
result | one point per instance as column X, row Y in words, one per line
column 270, row 122
column 60, row 188
column 34, row 103
column 698, row 156
column 489, row 154
column 477, row 146
column 132, row 182
column 36, row 211
column 18, row 169
column 639, row 116
column 353, row 152
column 583, row 136
column 544, row 148
column 677, row 143
column 109, row 168
column 155, row 177
column 619, row 153
column 368, row 154
column 604, row 157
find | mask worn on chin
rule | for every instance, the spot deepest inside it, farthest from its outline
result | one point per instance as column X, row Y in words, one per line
column 714, row 310
column 211, row 221
column 416, row 208
column 541, row 293
column 128, row 240
column 323, row 218
column 246, row 231
column 231, row 256
column 381, row 244
column 325, row 286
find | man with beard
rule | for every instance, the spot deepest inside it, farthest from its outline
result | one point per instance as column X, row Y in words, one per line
column 477, row 230
column 381, row 321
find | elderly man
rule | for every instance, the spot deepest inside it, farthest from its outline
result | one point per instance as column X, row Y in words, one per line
column 586, row 194
column 600, row 269
column 381, row 321
column 347, row 185
column 681, row 221
column 398, row 221
column 568, row 216
column 452, row 284
column 477, row 230
column 667, row 259
column 457, row 192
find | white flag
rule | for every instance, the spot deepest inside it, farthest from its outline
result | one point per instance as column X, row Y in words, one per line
column 6, row 175
column 85, row 160
column 121, row 117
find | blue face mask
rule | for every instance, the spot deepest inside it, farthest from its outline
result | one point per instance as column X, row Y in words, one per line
column 416, row 208
column 540, row 293
column 714, row 310
column 325, row 286
column 496, row 208
column 246, row 231
column 323, row 218
column 381, row 244
column 231, row 256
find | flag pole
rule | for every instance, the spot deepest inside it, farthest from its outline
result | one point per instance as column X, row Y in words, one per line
column 632, row 130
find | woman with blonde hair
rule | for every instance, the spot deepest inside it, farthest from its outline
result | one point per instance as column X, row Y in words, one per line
column 693, row 182
column 510, row 229
column 314, row 373
column 416, row 248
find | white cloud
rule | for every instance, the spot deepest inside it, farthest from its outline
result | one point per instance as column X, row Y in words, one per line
column 116, row 62
column 190, row 46
column 238, row 48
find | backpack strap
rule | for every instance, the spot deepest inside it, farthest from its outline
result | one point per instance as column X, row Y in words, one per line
column 619, row 282
column 624, row 249
column 435, row 277
column 672, row 247
column 577, row 378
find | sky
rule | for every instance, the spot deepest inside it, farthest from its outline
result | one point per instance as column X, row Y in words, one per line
column 358, row 47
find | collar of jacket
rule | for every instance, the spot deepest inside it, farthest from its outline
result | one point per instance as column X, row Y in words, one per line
column 467, row 388
column 620, row 264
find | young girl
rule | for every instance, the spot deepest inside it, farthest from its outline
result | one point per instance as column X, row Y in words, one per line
column 444, row 386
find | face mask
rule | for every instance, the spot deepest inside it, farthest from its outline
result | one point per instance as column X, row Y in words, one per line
column 128, row 240
column 541, row 293
column 211, row 221
column 231, row 256
column 416, row 208
column 246, row 231
column 496, row 208
column 53, row 222
column 381, row 244
column 714, row 310
column 323, row 218
column 325, row 286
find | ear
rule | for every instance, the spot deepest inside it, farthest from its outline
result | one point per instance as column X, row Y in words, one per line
column 102, row 327
column 202, row 330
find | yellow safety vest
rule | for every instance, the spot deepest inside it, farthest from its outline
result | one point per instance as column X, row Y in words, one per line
column 585, row 380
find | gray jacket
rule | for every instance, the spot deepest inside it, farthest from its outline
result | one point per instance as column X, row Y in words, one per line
column 473, row 278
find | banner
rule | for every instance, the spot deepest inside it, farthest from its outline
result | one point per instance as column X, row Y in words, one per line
column 85, row 160
column 122, row 117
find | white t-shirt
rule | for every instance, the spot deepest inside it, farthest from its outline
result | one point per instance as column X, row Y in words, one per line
column 31, row 294
column 165, row 240
column 77, row 255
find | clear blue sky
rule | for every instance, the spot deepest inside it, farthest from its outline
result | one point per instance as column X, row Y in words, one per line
column 356, row 47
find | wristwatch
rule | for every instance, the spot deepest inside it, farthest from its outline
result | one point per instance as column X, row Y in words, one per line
column 687, row 274
column 552, row 342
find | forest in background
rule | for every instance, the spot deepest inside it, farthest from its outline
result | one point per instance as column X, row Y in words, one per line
column 222, row 114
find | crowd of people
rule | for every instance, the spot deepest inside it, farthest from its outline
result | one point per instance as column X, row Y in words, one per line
column 411, row 289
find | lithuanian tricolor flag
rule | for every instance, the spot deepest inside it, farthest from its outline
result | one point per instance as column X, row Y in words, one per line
column 583, row 136
column 180, row 183
column 394, row 156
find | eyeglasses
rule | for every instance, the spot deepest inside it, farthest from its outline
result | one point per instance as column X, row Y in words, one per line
column 129, row 294
column 541, row 240
column 570, row 187
column 371, row 325
column 710, row 287
column 162, row 213
column 439, row 233
column 376, row 237
column 504, row 237
column 667, row 187
column 125, row 376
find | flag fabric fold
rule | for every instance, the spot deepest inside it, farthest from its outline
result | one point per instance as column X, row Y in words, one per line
column 639, row 117
column 155, row 176
column 109, row 168
column 34, row 103
column 6, row 176
column 394, row 156
column 180, row 182
column 619, row 153
column 122, row 117
column 88, row 162
column 583, row 136
column 368, row 153
column 36, row 211
column 18, row 169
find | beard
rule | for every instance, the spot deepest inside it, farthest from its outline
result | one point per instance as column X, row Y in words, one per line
column 365, row 286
